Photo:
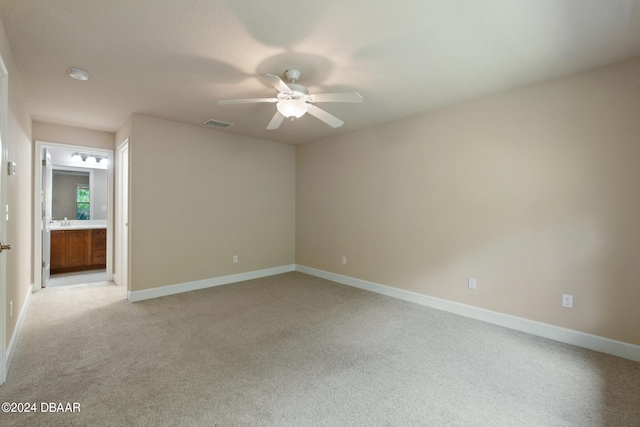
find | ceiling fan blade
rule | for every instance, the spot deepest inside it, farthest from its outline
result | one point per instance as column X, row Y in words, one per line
column 277, row 82
column 336, row 97
column 329, row 119
column 276, row 121
column 246, row 101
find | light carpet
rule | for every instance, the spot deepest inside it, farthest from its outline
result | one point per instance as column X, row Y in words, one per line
column 295, row 350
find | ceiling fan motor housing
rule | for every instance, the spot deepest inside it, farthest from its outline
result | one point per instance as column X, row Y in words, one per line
column 292, row 74
column 298, row 88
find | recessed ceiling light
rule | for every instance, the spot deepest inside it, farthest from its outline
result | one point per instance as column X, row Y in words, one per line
column 78, row 74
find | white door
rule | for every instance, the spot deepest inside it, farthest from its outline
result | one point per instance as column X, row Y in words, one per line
column 4, row 212
column 47, row 189
column 122, row 215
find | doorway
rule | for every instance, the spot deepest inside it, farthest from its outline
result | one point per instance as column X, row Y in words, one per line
column 79, row 223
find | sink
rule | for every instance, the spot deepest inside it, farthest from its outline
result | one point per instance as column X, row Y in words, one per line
column 79, row 225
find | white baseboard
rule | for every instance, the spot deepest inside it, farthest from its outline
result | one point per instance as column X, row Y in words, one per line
column 569, row 336
column 163, row 291
column 11, row 348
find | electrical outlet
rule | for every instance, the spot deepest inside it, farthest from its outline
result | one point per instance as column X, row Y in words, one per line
column 472, row 283
column 344, row 259
column 10, row 308
column 567, row 301
column 235, row 259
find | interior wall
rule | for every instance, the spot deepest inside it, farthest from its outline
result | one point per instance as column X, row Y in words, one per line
column 61, row 134
column 123, row 133
column 200, row 196
column 100, row 194
column 534, row 192
column 19, row 226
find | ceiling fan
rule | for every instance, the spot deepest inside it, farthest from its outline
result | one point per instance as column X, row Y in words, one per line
column 294, row 100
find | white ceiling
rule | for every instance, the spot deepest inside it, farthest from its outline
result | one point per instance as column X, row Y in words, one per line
column 175, row 59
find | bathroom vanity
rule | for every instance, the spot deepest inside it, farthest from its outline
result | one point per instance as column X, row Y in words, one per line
column 78, row 248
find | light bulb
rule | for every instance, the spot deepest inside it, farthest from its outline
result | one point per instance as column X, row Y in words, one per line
column 90, row 159
column 292, row 108
column 76, row 157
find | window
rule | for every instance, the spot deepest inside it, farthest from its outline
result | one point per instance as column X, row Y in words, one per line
column 82, row 202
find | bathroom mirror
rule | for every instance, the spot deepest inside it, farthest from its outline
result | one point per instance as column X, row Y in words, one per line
column 78, row 193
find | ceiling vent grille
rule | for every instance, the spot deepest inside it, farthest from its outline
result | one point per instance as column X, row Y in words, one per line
column 218, row 123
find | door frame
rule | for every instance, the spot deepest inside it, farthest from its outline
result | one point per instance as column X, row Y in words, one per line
column 37, row 214
column 4, row 108
column 47, row 170
column 121, row 276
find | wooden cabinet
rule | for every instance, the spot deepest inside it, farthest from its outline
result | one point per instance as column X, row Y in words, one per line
column 99, row 246
column 77, row 250
column 58, row 249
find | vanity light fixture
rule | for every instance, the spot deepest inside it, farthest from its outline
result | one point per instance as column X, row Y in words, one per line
column 89, row 158
column 78, row 74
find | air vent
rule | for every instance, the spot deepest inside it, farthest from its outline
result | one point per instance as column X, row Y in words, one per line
column 218, row 123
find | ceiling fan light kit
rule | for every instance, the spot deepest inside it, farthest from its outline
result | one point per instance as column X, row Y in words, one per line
column 292, row 108
column 293, row 100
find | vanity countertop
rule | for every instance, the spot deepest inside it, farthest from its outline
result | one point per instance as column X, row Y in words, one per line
column 78, row 225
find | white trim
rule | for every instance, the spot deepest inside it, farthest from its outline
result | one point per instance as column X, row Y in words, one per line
column 163, row 291
column 121, row 221
column 11, row 348
column 4, row 156
column 568, row 336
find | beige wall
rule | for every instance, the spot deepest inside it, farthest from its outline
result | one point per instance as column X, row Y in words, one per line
column 19, row 188
column 49, row 132
column 200, row 196
column 535, row 192
column 123, row 133
column 100, row 194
